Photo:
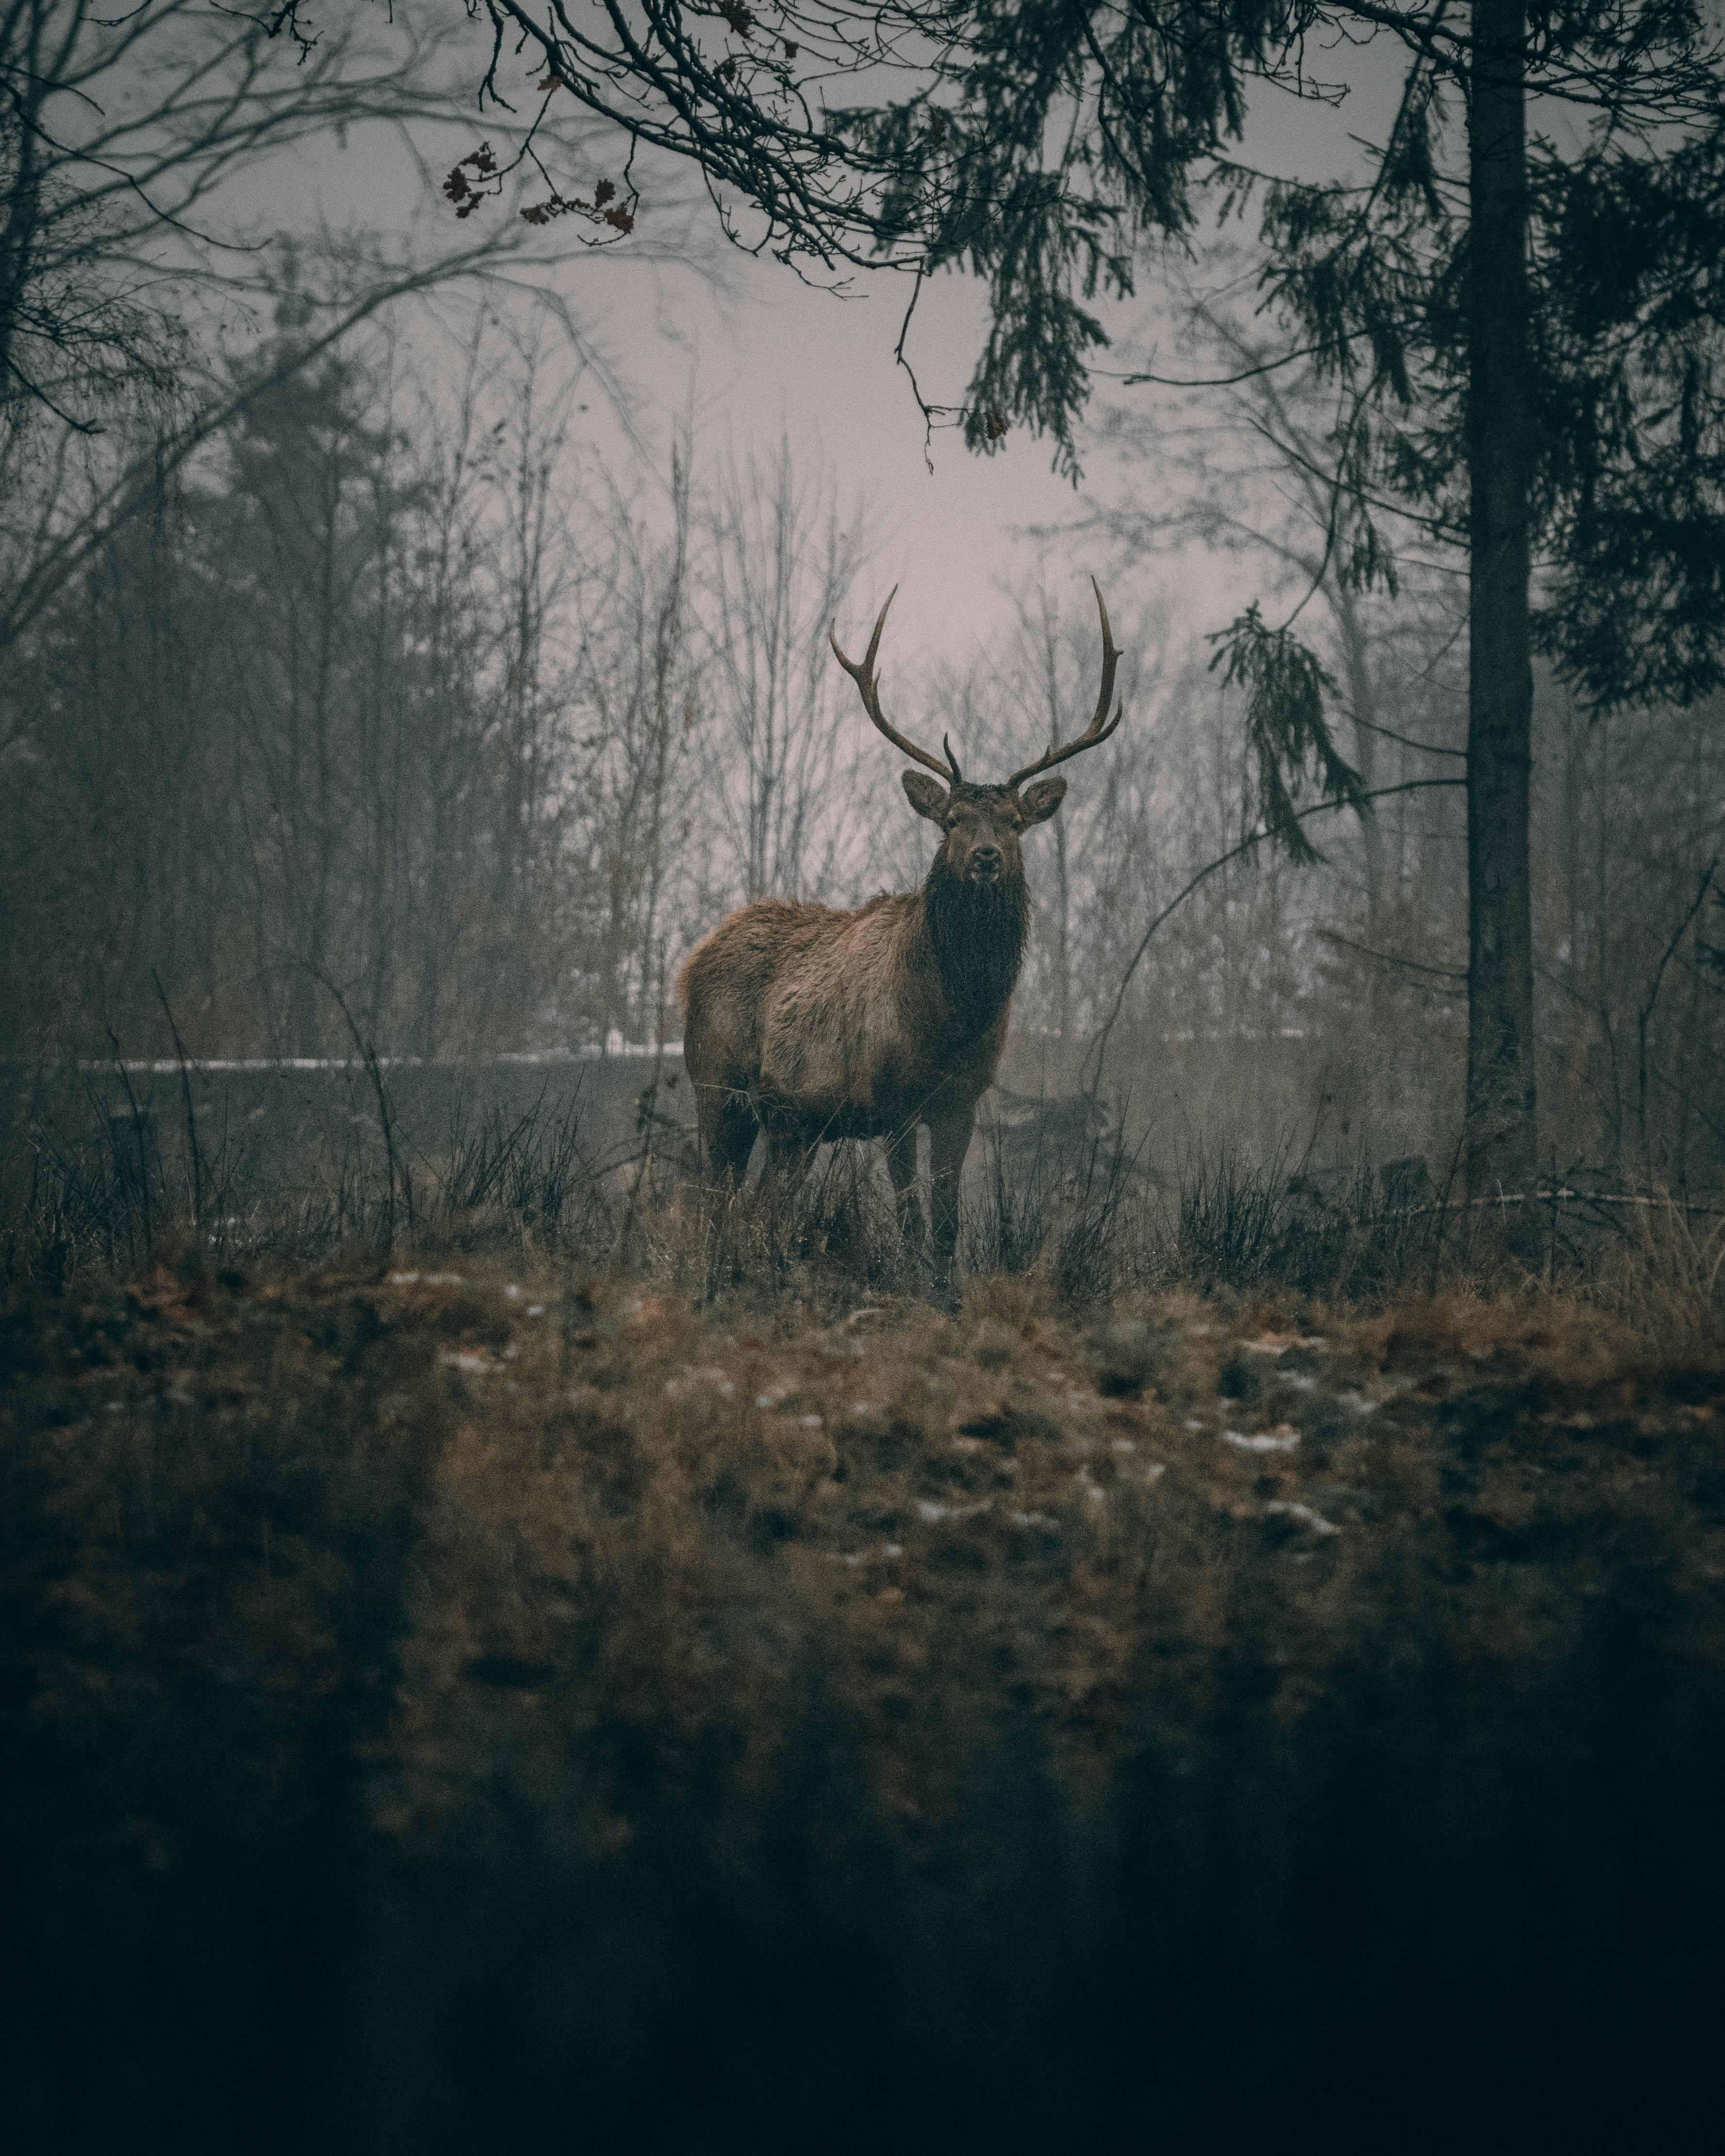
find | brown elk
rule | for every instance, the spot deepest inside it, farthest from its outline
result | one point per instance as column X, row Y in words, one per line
column 810, row 1024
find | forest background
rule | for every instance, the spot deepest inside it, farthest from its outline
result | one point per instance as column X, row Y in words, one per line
column 381, row 654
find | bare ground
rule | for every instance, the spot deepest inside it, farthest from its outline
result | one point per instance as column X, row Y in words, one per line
column 459, row 1709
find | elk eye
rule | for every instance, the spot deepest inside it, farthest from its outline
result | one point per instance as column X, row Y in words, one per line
column 951, row 822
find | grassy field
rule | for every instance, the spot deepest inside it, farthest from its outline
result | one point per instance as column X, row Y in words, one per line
column 457, row 1704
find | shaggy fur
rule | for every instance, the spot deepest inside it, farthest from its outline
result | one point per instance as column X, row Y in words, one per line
column 978, row 934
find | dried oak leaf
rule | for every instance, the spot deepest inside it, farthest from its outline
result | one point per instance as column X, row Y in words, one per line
column 460, row 188
column 602, row 193
column 621, row 218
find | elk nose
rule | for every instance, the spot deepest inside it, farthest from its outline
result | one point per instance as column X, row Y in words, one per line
column 985, row 860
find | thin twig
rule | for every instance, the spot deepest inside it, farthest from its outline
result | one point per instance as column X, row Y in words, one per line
column 1100, row 1046
column 1390, row 959
column 368, row 1056
column 186, row 1095
column 137, row 1124
column 1646, row 1015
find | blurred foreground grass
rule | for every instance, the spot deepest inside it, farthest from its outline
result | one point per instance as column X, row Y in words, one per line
column 476, row 1708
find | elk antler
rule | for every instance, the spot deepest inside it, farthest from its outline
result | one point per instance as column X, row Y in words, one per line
column 1095, row 733
column 870, row 690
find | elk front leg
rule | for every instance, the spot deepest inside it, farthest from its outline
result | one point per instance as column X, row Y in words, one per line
column 728, row 1131
column 727, row 1135
column 948, row 1142
column 901, row 1166
column 790, row 1157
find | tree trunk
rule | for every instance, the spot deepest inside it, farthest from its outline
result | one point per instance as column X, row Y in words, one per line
column 1502, row 1142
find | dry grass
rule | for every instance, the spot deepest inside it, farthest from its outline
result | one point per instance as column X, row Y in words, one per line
column 1665, row 1277
column 461, row 1707
column 1082, row 1219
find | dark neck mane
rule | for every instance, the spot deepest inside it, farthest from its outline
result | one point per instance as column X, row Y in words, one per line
column 977, row 934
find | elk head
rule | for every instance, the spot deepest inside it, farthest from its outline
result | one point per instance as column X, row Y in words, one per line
column 982, row 824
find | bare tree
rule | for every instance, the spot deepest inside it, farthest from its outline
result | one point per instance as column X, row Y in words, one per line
column 782, row 558
column 638, row 763
column 125, row 242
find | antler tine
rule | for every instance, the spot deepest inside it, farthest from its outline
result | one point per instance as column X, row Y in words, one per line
column 869, row 689
column 1095, row 733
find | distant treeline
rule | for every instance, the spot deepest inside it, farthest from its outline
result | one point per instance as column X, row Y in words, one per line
column 398, row 725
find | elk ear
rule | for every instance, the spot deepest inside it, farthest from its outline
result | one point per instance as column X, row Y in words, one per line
column 1038, row 803
column 928, row 797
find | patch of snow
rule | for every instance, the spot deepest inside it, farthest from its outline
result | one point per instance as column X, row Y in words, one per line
column 1304, row 1513
column 1269, row 1441
column 460, row 1359
column 894, row 1549
column 810, row 1422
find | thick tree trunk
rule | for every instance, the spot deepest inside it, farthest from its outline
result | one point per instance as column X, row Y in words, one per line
column 1502, row 1142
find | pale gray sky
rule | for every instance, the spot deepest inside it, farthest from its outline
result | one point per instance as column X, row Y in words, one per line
column 776, row 354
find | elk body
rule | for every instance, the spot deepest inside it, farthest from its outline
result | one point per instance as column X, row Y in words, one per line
column 811, row 1025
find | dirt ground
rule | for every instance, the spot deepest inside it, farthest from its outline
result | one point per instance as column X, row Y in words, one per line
column 454, row 1706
